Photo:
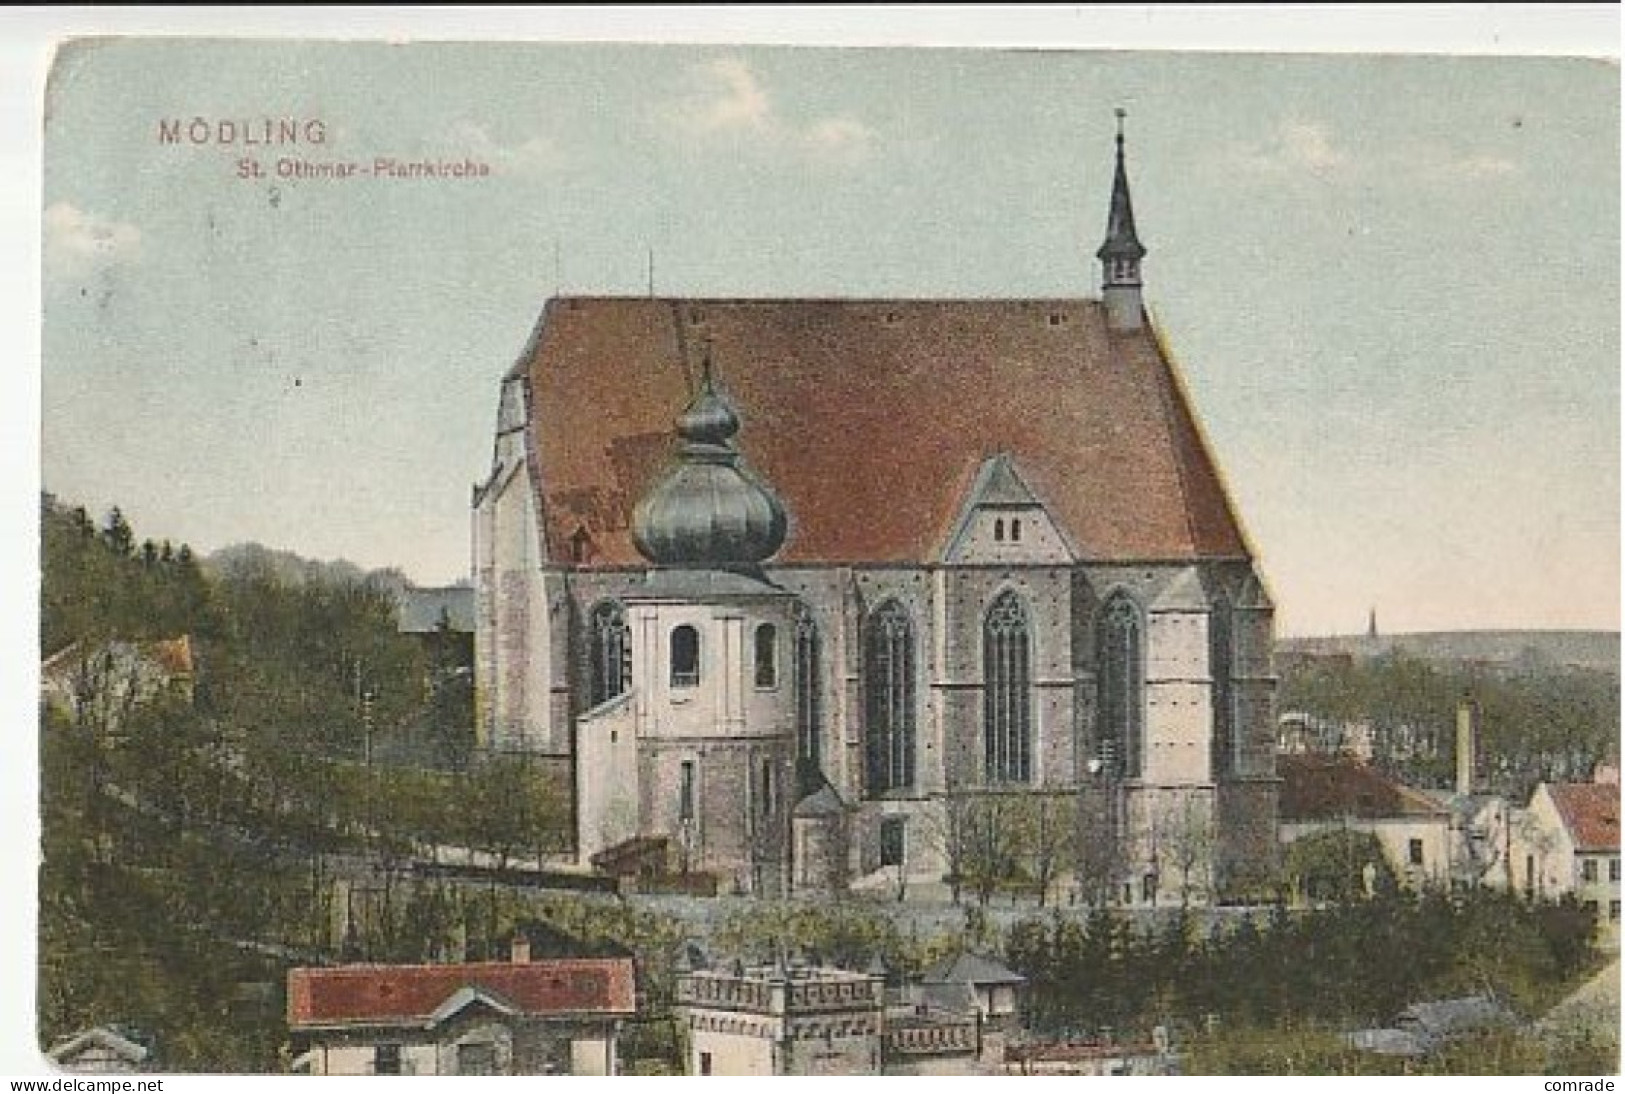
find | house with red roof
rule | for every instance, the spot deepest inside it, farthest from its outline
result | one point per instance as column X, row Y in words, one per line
column 734, row 554
column 1567, row 842
column 101, row 685
column 548, row 1016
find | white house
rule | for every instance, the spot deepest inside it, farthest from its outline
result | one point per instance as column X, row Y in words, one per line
column 1567, row 841
column 1326, row 793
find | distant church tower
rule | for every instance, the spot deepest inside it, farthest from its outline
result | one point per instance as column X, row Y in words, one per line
column 1371, row 625
column 1121, row 253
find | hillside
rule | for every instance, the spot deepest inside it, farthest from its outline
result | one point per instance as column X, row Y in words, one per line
column 1594, row 650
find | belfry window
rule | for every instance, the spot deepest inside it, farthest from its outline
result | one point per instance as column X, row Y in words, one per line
column 807, row 712
column 767, row 656
column 998, row 530
column 1015, row 530
column 889, row 699
column 610, row 650
column 1007, row 707
column 685, row 657
column 1120, row 742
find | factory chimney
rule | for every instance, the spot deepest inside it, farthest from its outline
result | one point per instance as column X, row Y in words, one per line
column 1466, row 744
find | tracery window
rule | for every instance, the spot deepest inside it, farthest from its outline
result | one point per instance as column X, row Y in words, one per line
column 889, row 698
column 807, row 705
column 610, row 673
column 1007, row 707
column 1120, row 742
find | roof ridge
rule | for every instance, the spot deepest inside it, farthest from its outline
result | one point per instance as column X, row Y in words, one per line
column 659, row 300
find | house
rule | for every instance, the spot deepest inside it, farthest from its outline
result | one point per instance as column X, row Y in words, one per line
column 102, row 1050
column 101, row 686
column 1321, row 793
column 1480, row 834
column 893, row 553
column 995, row 990
column 1567, row 842
column 1423, row 1028
column 425, row 609
column 548, row 1016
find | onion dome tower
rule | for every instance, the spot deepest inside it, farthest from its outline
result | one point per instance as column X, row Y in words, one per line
column 708, row 511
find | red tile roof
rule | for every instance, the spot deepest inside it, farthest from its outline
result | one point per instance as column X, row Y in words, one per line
column 1590, row 812
column 351, row 995
column 1320, row 787
column 869, row 418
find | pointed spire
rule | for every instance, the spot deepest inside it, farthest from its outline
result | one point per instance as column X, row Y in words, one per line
column 1122, row 241
column 1122, row 251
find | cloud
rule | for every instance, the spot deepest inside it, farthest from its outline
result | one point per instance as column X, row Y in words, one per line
column 78, row 244
column 732, row 99
column 1297, row 147
column 1444, row 166
column 530, row 156
column 843, row 136
column 728, row 99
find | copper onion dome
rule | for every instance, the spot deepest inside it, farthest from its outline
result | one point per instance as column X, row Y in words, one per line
column 708, row 510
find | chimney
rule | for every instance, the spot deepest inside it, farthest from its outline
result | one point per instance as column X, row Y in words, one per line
column 1465, row 745
column 519, row 953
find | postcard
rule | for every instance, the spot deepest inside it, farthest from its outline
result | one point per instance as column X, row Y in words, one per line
column 617, row 559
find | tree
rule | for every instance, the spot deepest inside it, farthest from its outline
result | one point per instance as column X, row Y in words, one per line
column 1185, row 838
column 515, row 808
column 118, row 534
column 1334, row 865
column 1098, row 841
column 1049, row 830
column 991, row 843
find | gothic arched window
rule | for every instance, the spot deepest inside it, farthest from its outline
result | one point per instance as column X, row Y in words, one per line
column 888, row 671
column 1221, row 667
column 685, row 657
column 1121, row 649
column 1007, row 707
column 807, row 712
column 610, row 672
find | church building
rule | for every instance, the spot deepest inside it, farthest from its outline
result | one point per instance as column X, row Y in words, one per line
column 787, row 585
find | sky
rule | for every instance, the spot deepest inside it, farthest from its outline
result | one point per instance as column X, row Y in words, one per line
column 1391, row 283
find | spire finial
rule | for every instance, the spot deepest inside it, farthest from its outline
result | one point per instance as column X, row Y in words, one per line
column 706, row 367
column 1121, row 114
